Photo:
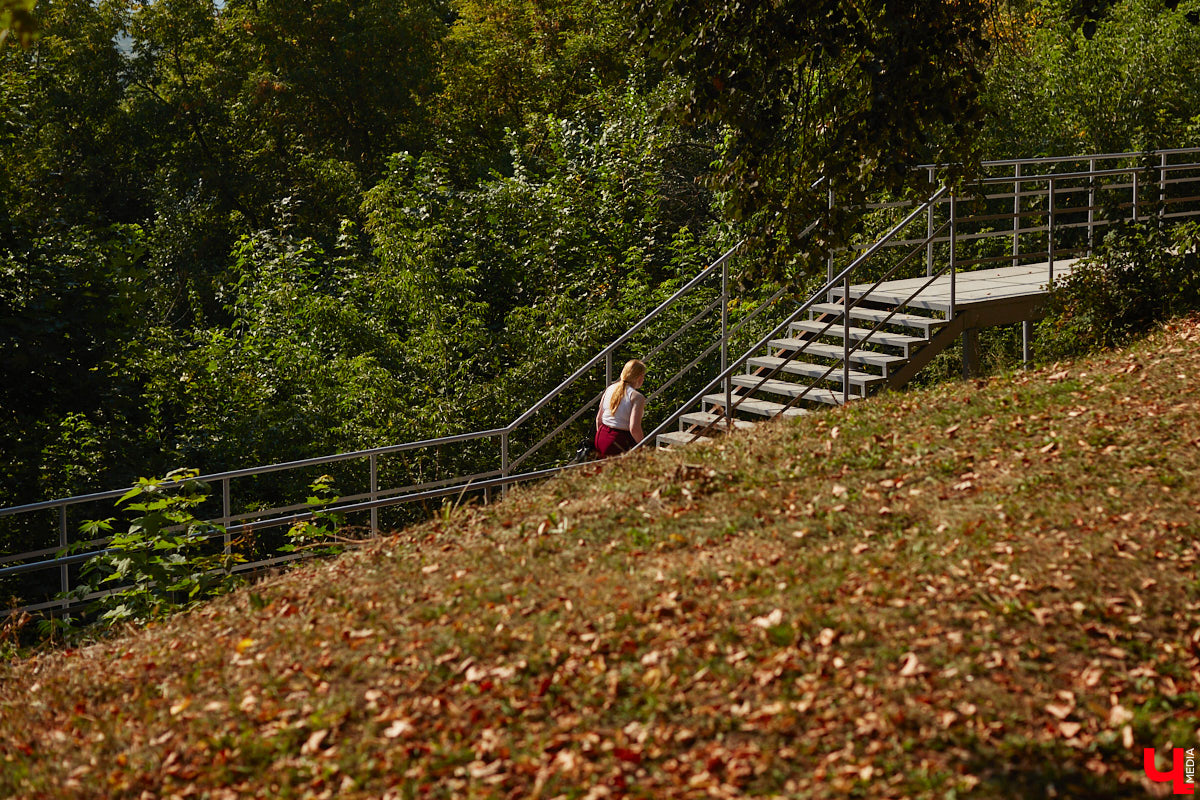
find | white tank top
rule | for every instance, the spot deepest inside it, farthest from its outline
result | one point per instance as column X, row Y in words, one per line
column 618, row 419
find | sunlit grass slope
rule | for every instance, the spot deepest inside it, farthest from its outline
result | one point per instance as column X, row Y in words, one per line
column 988, row 589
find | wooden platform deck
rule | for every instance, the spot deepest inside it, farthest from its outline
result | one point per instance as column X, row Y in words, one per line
column 1005, row 294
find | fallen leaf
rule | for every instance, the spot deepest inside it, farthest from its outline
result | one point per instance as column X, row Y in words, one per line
column 1119, row 715
column 912, row 666
column 398, row 728
column 314, row 742
column 1059, row 710
column 1069, row 729
column 770, row 620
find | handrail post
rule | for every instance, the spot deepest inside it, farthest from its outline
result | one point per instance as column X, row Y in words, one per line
column 829, row 272
column 504, row 462
column 374, row 494
column 953, row 248
column 846, row 339
column 64, row 576
column 226, row 513
column 1050, row 233
column 1162, row 185
column 1135, row 196
column 929, row 228
column 725, row 341
column 1016, row 236
column 1091, row 205
column 608, row 369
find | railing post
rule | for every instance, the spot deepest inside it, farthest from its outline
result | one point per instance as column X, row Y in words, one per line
column 829, row 272
column 226, row 513
column 1050, row 233
column 953, row 254
column 725, row 342
column 1091, row 205
column 374, row 495
column 504, row 462
column 846, row 340
column 64, row 576
column 1162, row 185
column 608, row 379
column 1026, row 342
column 1135, row 196
column 1016, row 235
column 929, row 227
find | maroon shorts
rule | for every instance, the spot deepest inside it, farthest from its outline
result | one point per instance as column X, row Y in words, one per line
column 613, row 441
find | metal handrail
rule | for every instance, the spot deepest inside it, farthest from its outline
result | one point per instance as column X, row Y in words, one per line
column 830, row 285
column 1053, row 182
column 811, row 301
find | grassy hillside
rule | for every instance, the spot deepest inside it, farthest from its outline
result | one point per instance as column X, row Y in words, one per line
column 988, row 589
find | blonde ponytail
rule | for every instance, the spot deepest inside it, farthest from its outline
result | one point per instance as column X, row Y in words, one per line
column 633, row 370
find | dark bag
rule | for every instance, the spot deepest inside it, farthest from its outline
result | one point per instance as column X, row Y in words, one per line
column 587, row 446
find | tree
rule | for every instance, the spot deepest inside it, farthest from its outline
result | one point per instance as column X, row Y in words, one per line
column 505, row 59
column 1125, row 81
column 856, row 92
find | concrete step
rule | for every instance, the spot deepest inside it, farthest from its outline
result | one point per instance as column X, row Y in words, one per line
column 792, row 389
column 914, row 321
column 752, row 405
column 678, row 439
column 883, row 338
column 814, row 371
column 833, row 351
column 703, row 419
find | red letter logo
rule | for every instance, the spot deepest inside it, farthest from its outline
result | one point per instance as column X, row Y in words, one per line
column 1179, row 783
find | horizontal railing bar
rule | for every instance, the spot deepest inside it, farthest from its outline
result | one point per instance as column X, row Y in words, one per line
column 410, row 498
column 270, row 468
column 29, row 554
column 1061, row 159
column 1100, row 173
column 251, row 515
column 35, row 566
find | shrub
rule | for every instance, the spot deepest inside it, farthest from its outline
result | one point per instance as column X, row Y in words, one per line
column 1145, row 272
column 166, row 560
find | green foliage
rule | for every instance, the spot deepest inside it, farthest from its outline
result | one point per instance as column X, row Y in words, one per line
column 507, row 60
column 855, row 92
column 314, row 534
column 504, row 289
column 166, row 560
column 1145, row 273
column 1125, row 81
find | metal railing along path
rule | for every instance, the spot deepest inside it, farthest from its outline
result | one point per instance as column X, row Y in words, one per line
column 1052, row 211
column 513, row 465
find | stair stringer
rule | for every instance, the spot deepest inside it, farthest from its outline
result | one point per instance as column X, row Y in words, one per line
column 918, row 361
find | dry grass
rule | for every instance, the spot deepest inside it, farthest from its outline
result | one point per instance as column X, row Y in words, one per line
column 988, row 590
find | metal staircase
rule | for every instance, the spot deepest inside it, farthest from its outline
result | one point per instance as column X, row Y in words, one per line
column 989, row 258
column 803, row 370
